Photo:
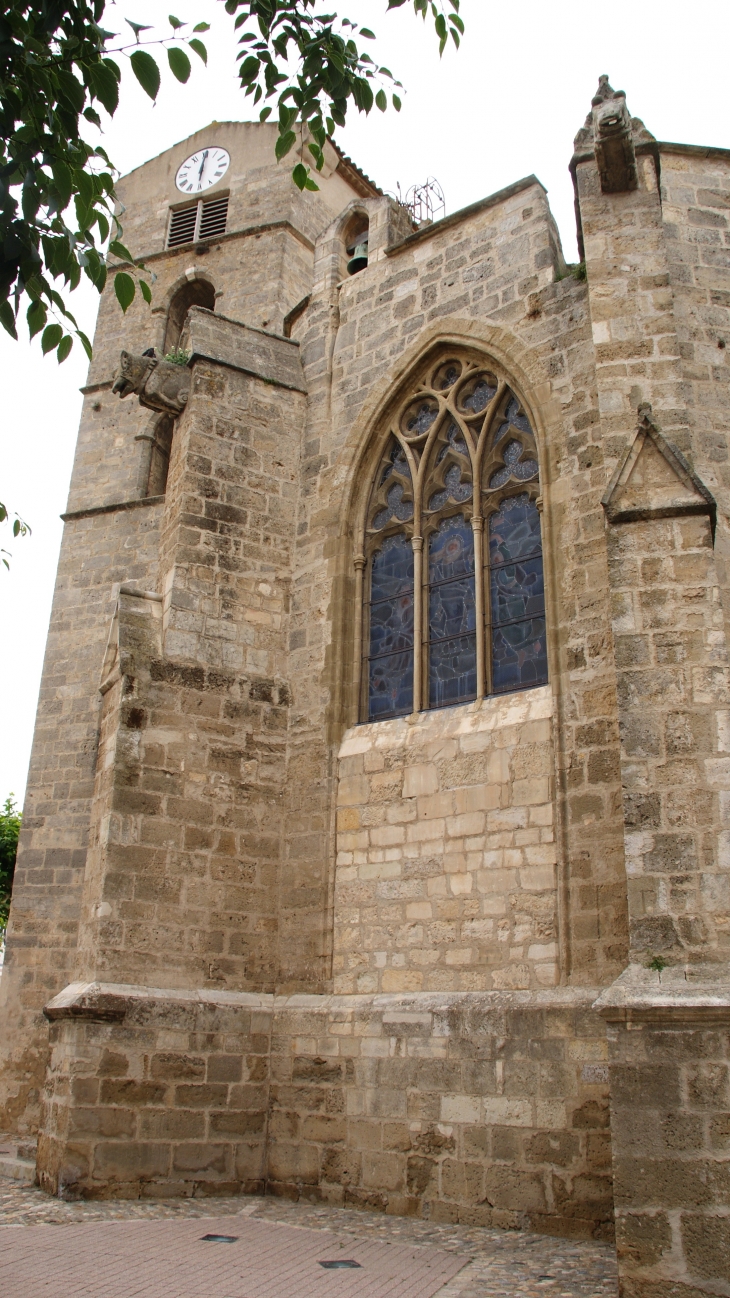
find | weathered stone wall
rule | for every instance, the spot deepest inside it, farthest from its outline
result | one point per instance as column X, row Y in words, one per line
column 97, row 554
column 695, row 186
column 673, row 696
column 487, row 285
column 669, row 1047
column 487, row 1109
column 102, row 550
column 446, row 856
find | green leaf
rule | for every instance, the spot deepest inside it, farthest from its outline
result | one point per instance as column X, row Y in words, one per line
column 52, row 336
column 265, row 112
column 137, row 28
column 146, row 291
column 84, row 343
column 365, row 31
column 283, row 144
column 146, row 71
column 118, row 249
column 175, row 22
column 300, row 175
column 124, row 289
column 311, row 184
column 73, row 91
column 249, row 69
column 64, row 347
column 381, row 101
column 179, row 63
column 199, row 48
column 201, row 27
column 36, row 316
column 397, row 103
column 104, row 84
column 457, row 22
column 63, row 182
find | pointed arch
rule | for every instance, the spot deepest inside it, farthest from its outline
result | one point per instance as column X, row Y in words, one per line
column 448, row 543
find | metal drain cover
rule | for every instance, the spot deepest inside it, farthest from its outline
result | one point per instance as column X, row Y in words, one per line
column 221, row 1239
column 339, row 1263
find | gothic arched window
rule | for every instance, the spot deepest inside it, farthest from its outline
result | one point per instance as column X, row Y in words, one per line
column 453, row 589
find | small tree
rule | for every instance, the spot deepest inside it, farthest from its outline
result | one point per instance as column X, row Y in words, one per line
column 10, row 819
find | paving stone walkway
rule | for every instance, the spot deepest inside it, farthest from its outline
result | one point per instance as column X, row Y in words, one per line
column 134, row 1249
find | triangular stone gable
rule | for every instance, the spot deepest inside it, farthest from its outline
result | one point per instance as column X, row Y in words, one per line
column 653, row 480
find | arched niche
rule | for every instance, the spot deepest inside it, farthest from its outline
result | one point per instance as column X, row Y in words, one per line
column 196, row 292
column 354, row 234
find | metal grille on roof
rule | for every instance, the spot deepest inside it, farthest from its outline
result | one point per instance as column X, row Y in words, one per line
column 203, row 220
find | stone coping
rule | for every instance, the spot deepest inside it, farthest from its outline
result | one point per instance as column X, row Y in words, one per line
column 455, row 218
column 111, row 1001
column 696, row 992
column 493, row 712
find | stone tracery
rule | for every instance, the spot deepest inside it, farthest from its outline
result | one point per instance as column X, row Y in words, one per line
column 433, row 634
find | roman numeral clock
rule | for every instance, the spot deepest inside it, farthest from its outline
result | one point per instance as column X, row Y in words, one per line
column 202, row 170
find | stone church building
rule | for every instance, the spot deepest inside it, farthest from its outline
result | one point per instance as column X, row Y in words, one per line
column 377, row 839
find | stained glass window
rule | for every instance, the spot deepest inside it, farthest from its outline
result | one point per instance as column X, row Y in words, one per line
column 517, row 595
column 451, row 614
column 445, row 624
column 390, row 685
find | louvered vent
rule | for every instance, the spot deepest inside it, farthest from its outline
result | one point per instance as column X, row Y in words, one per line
column 205, row 220
column 182, row 226
column 213, row 218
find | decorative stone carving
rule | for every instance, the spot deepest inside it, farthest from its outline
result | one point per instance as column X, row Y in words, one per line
column 653, row 479
column 159, row 384
column 613, row 134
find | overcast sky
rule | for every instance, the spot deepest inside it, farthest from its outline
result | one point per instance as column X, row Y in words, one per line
column 508, row 104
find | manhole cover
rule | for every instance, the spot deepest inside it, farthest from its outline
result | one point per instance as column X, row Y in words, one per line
column 221, row 1239
column 338, row 1264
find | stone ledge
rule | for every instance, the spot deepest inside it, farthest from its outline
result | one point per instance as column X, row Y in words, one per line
column 700, row 993
column 118, row 506
column 110, row 1002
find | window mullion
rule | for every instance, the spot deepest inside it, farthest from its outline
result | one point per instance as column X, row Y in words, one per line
column 418, row 606
column 477, row 523
column 198, row 217
column 360, row 632
column 486, row 584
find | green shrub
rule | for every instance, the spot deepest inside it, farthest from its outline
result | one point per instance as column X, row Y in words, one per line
column 10, row 819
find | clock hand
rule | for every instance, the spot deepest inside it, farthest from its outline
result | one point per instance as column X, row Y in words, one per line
column 202, row 167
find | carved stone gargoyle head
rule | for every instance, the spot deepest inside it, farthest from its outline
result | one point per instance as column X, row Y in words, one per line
column 159, row 384
column 612, row 134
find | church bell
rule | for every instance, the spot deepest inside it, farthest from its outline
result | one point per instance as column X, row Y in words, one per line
column 359, row 258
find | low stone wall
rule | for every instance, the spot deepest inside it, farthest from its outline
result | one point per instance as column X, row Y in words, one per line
column 487, row 1108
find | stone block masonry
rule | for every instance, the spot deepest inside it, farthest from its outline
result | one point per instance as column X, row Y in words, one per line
column 446, row 853
column 488, row 1109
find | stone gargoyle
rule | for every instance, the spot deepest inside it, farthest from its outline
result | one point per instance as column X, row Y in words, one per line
column 159, row 384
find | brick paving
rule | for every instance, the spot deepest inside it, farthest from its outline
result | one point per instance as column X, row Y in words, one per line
column 137, row 1249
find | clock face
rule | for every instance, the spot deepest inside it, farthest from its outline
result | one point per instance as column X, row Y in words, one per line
column 201, row 170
